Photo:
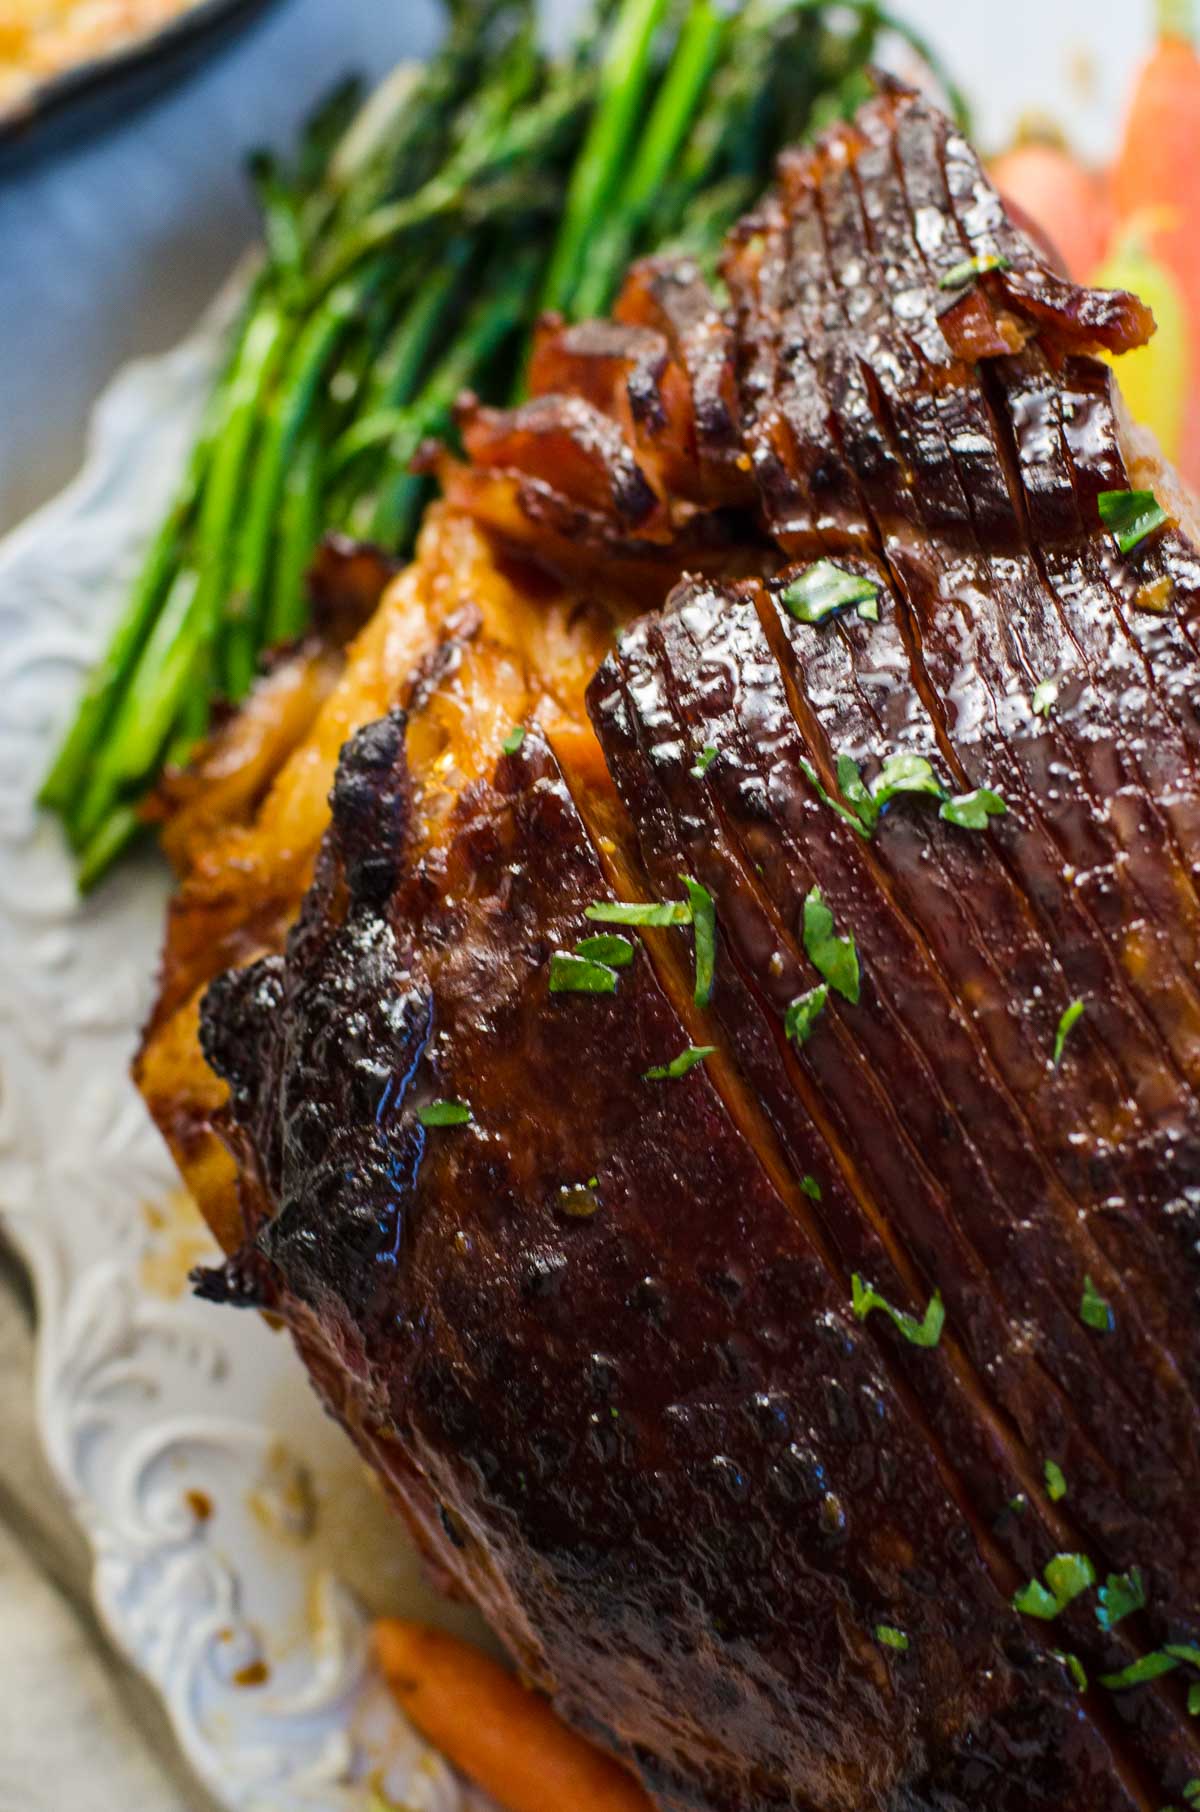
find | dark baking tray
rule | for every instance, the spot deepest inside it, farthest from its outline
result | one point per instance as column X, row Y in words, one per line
column 92, row 95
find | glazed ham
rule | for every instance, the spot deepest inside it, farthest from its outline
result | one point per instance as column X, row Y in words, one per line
column 782, row 1316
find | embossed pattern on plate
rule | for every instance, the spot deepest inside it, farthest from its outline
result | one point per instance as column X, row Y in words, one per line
column 208, row 1483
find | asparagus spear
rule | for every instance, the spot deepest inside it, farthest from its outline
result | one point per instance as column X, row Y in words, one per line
column 443, row 172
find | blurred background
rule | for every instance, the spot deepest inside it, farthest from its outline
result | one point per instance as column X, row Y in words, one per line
column 111, row 247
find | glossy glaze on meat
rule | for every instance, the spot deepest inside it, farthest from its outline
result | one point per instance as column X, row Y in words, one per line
column 600, row 1340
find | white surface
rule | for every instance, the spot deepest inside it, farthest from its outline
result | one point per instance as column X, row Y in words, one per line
column 115, row 248
column 146, row 1397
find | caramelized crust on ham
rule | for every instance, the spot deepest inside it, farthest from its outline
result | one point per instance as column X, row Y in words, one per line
column 601, row 1340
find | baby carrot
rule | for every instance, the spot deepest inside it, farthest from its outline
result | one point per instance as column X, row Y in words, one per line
column 496, row 1732
column 1157, row 176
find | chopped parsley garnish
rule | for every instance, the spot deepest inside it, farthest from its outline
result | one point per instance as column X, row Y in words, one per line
column 1033, row 1600
column 824, row 589
column 904, row 774
column 1074, row 1667
column 1067, row 1575
column 959, row 275
column 639, row 912
column 926, row 1332
column 513, row 740
column 1192, row 1791
column 855, row 793
column 679, row 1066
column 1045, row 697
column 971, row 811
column 1056, row 1483
column 869, row 612
column 891, row 1637
column 1095, row 1311
column 1147, row 1667
column 1121, row 1594
column 580, row 975
column 811, row 1187
column 704, row 926
column 704, row 760
column 444, row 1113
column 901, row 773
column 804, row 1013
column 835, row 957
column 835, row 805
column 1184, row 1651
column 1070, row 1017
column 607, row 947
column 1193, row 1702
column 1129, row 516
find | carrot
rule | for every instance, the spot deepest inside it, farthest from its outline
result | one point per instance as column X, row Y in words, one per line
column 1068, row 202
column 501, row 1736
column 1158, row 173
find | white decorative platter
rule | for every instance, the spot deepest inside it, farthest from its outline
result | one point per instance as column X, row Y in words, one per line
column 238, row 1545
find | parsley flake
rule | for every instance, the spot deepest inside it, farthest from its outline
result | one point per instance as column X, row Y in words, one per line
column 1192, row 1791
column 1184, row 1651
column 444, row 1113
column 1069, row 1575
column 804, row 1013
column 811, row 1188
column 1121, row 1594
column 1129, row 516
column 1146, row 1667
column 971, row 811
column 704, row 926
column 901, row 773
column 1056, row 1483
column 959, row 275
column 1033, row 1600
column 1193, row 1702
column 856, row 794
column 905, row 773
column 608, row 947
column 679, row 1066
column 1045, row 697
column 890, row 1637
column 823, row 589
column 639, row 912
column 1070, row 1017
column 835, row 957
column 926, row 1332
column 580, row 975
column 704, row 760
column 852, row 818
column 1074, row 1667
column 869, row 612
column 513, row 740
column 1095, row 1311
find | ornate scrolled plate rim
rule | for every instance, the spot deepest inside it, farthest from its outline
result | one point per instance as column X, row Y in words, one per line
column 185, row 1439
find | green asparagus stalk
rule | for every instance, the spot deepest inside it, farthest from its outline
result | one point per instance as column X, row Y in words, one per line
column 406, row 252
column 678, row 97
column 621, row 87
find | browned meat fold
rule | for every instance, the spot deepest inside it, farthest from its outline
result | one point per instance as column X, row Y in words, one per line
column 799, row 1362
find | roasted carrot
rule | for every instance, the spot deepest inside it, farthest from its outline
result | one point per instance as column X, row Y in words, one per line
column 1068, row 202
column 496, row 1732
column 1157, row 176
